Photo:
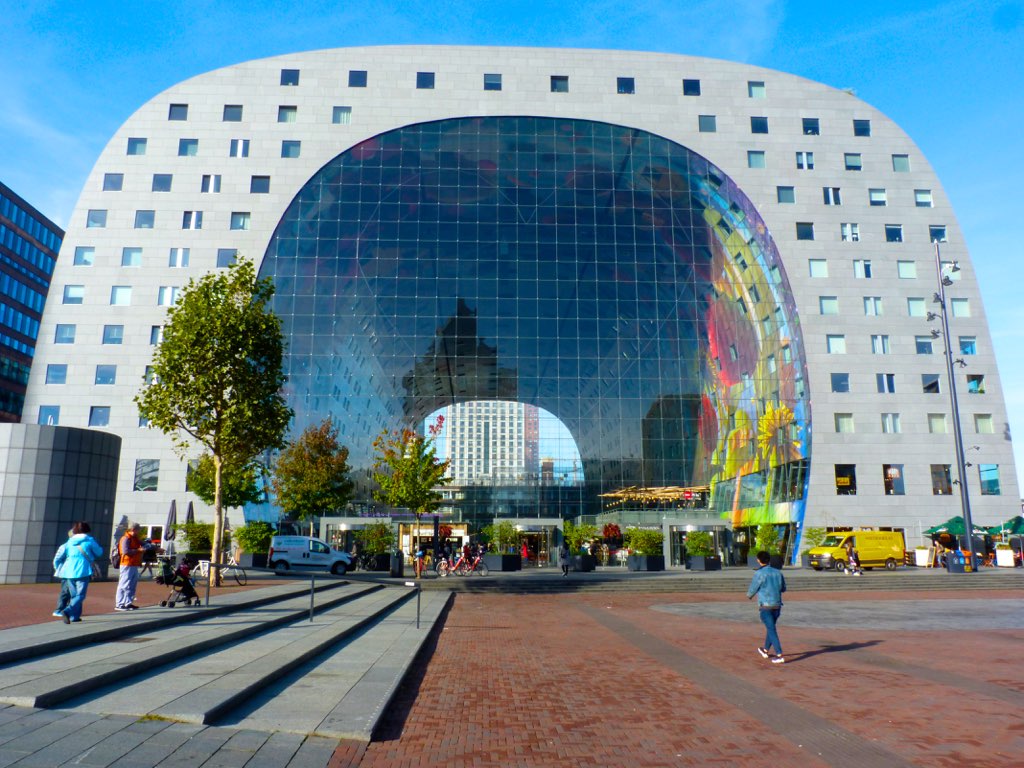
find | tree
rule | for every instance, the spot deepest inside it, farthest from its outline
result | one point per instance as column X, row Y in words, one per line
column 239, row 485
column 311, row 474
column 217, row 375
column 408, row 471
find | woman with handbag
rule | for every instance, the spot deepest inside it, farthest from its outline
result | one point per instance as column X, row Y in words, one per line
column 73, row 563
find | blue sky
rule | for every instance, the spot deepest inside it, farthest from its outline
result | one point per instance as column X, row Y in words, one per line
column 947, row 72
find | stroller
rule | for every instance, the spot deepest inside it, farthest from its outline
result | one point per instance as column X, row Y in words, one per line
column 179, row 580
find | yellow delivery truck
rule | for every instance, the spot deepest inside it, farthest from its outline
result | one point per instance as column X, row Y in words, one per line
column 876, row 549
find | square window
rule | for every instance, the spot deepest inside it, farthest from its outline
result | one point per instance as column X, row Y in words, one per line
column 707, row 123
column 968, row 345
column 99, row 416
column 930, row 383
column 846, row 479
column 691, row 87
column 113, row 182
column 167, row 295
column 873, row 306
column 136, row 146
column 916, row 307
column 192, row 220
column 357, row 78
column 178, row 258
column 56, row 373
column 96, row 219
column 835, row 344
column 226, row 257
column 804, row 230
column 942, row 480
column 937, row 234
column 877, row 197
column 131, row 257
column 259, row 185
column 64, row 334
column 113, row 334
column 289, row 77
column 923, row 198
column 120, row 295
column 894, row 233
column 831, row 196
column 210, row 183
column 232, row 113
column 341, row 115
column 178, row 112
column 162, row 182
column 844, row 422
column 756, row 89
column 923, row 345
column 106, row 375
column 240, row 220
column 852, row 161
column 238, row 148
column 892, row 479
column 861, row 127
column 805, row 161
column 906, row 270
column 937, row 424
column 988, row 476
column 759, row 125
column 901, row 163
column 811, row 126
column 492, row 81
column 84, row 255
column 559, row 83
column 755, row 158
column 975, row 384
column 818, row 267
column 74, row 294
column 983, row 423
column 49, row 415
column 879, row 344
column 862, row 269
column 785, row 194
column 960, row 307
column 145, row 219
column 890, row 423
column 840, row 382
column 625, row 85
column 147, row 472
column 188, row 147
column 291, row 148
column 885, row 383
column 828, row 305
column 287, row 114
column 850, row 232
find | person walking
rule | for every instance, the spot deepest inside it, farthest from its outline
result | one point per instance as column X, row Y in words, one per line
column 131, row 549
column 563, row 557
column 73, row 562
column 768, row 584
column 853, row 559
column 65, row 589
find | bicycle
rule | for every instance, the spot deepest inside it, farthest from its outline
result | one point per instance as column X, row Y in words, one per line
column 237, row 571
column 478, row 566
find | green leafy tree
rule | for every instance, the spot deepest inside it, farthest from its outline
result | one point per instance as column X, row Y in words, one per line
column 311, row 476
column 575, row 535
column 408, row 471
column 217, row 376
column 376, row 538
column 767, row 539
column 255, row 537
column 645, row 541
column 239, row 485
column 503, row 536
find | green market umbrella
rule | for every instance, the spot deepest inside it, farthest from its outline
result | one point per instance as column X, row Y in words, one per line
column 1012, row 527
column 955, row 527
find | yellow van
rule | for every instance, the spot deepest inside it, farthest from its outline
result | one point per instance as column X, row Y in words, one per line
column 876, row 549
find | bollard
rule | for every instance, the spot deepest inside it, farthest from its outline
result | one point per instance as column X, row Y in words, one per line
column 417, row 587
column 312, row 591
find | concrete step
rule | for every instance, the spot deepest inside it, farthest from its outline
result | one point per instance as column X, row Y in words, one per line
column 46, row 681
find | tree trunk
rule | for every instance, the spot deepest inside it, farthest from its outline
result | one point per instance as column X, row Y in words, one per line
column 218, row 521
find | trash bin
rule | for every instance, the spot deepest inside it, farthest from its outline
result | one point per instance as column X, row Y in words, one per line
column 955, row 562
column 397, row 565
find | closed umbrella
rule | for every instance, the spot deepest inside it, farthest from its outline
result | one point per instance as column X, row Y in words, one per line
column 172, row 520
column 190, row 514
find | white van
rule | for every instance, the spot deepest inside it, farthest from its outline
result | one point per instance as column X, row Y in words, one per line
column 307, row 553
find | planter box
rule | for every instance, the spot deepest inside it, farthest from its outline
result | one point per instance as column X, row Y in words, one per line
column 380, row 562
column 922, row 558
column 775, row 561
column 646, row 562
column 1004, row 558
column 583, row 563
column 254, row 560
column 503, row 562
column 703, row 563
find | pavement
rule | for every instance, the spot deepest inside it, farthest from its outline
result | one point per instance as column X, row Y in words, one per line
column 890, row 669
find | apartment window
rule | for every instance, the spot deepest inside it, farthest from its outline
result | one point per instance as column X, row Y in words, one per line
column 828, row 305
column 817, row 267
column 873, row 306
column 937, row 424
column 291, row 148
column 811, row 126
column 937, row 234
column 625, row 85
column 232, row 113
column 113, row 182
column 885, row 383
column 831, row 196
column 878, row 197
column 846, row 479
column 188, row 147
column 916, row 307
column 861, row 127
column 99, row 416
column 942, row 480
column 805, row 161
column 880, row 344
column 891, row 423
column 357, row 78
column 167, row 295
column 805, row 230
column 131, row 257
column 960, row 307
column 49, row 415
column 559, row 84
column 287, row 114
column 844, row 422
column 147, row 472
column 56, row 373
column 785, row 194
column 239, row 148
column 923, row 198
column 84, row 255
column 192, row 220
column 341, row 115
column 226, row 257
column 113, row 334
column 96, row 219
column 120, row 295
column 691, row 87
column 755, row 158
column 289, row 77
column 894, row 233
column 145, row 219
column 73, row 294
column 901, row 163
column 924, row 345
column 852, row 161
column 862, row 269
column 988, row 476
column 850, row 232
column 983, row 423
column 259, row 185
column 162, row 182
column 906, row 270
column 105, row 375
column 756, row 89
column 64, row 334
column 968, row 345
column 759, row 124
column 707, row 123
column 210, row 183
column 892, row 479
column 835, row 344
column 178, row 112
column 930, row 383
column 492, row 81
column 975, row 384
column 840, row 382
column 178, row 257
column 240, row 220
column 136, row 146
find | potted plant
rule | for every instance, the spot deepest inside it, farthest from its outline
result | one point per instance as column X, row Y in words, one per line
column 503, row 538
column 1004, row 555
column 645, row 549
column 766, row 540
column 922, row 556
column 809, row 540
column 575, row 536
column 254, row 541
column 700, row 552
column 375, row 542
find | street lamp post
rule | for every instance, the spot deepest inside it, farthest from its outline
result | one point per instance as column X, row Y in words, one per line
column 943, row 275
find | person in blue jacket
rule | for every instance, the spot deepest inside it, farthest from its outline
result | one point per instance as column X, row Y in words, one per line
column 73, row 563
column 768, row 584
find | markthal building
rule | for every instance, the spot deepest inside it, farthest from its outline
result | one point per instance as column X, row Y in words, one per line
column 615, row 274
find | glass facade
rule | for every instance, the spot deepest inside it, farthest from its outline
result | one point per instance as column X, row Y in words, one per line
column 605, row 275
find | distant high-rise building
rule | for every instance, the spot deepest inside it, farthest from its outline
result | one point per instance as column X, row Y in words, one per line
column 29, row 243
column 492, row 442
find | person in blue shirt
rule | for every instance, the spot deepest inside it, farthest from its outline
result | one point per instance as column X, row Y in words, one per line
column 73, row 563
column 768, row 584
